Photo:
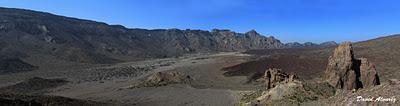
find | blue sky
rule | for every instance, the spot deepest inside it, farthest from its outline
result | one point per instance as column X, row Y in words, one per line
column 287, row 20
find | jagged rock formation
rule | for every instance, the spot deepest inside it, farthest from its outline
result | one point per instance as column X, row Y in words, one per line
column 340, row 72
column 27, row 33
column 283, row 91
column 346, row 72
column 274, row 77
column 163, row 79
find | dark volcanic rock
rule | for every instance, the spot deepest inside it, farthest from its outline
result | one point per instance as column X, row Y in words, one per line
column 32, row 32
column 274, row 76
column 346, row 72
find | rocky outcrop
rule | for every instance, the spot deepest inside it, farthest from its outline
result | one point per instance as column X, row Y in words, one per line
column 274, row 77
column 282, row 88
column 340, row 72
column 346, row 72
column 163, row 79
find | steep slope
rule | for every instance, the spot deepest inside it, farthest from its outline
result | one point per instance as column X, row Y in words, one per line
column 24, row 33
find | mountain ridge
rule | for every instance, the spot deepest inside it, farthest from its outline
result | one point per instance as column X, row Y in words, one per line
column 25, row 33
column 29, row 32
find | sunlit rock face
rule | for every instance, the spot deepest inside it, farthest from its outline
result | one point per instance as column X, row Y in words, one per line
column 346, row 72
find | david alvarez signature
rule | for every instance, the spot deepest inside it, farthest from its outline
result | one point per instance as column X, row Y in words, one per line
column 377, row 99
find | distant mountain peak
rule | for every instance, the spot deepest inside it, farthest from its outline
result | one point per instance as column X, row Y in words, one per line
column 328, row 43
column 252, row 31
column 221, row 30
column 310, row 44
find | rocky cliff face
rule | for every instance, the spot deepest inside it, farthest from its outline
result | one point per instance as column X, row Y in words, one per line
column 344, row 71
column 25, row 32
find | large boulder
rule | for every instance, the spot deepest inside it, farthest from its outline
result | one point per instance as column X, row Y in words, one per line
column 346, row 72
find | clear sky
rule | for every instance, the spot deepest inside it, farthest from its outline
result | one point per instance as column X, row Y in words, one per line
column 287, row 20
